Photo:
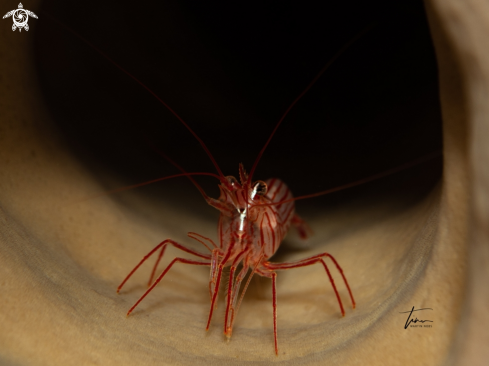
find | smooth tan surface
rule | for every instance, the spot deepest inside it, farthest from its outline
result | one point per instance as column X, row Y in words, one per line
column 465, row 26
column 60, row 260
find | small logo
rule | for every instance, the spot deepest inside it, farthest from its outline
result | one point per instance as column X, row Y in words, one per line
column 20, row 17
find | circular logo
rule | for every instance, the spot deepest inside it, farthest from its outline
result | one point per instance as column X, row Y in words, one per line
column 20, row 18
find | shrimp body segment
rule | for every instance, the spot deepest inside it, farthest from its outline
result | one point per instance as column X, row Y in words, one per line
column 253, row 222
column 248, row 228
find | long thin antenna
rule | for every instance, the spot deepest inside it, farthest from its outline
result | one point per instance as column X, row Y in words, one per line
column 359, row 182
column 325, row 67
column 172, row 162
column 142, row 84
column 126, row 188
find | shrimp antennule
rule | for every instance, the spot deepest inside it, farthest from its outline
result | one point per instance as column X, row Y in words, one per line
column 359, row 182
column 325, row 67
column 104, row 55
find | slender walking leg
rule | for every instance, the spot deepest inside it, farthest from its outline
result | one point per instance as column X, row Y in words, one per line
column 274, row 296
column 181, row 260
column 313, row 260
column 162, row 245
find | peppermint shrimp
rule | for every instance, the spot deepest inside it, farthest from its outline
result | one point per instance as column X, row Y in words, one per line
column 254, row 218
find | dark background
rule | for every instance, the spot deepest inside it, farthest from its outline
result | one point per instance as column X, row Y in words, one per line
column 230, row 69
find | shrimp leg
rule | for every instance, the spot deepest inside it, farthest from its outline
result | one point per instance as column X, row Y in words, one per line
column 313, row 260
column 274, row 304
column 181, row 260
column 302, row 227
column 163, row 246
column 234, row 310
column 303, row 263
column 233, row 288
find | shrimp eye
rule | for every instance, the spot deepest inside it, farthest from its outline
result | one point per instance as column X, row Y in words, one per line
column 233, row 182
column 260, row 188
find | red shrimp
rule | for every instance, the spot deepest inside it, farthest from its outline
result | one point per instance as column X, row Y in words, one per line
column 255, row 217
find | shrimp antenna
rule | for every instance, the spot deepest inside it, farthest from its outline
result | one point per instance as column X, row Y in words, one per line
column 126, row 188
column 325, row 67
column 172, row 162
column 143, row 85
column 361, row 181
column 184, row 174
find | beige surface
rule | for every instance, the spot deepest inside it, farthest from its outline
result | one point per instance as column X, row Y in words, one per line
column 61, row 261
